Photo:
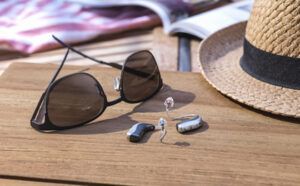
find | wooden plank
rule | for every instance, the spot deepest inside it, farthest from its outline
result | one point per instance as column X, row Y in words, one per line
column 165, row 49
column 237, row 146
column 195, row 43
column 14, row 182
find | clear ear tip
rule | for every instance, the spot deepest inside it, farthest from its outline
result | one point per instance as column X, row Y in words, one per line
column 162, row 122
column 169, row 102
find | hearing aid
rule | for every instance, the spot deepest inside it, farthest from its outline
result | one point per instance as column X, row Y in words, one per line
column 189, row 123
column 186, row 123
column 138, row 130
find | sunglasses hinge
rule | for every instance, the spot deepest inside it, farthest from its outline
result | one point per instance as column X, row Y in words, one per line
column 117, row 84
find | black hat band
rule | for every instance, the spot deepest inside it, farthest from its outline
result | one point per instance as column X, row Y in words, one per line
column 271, row 68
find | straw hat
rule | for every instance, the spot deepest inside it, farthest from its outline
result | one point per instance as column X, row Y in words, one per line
column 258, row 63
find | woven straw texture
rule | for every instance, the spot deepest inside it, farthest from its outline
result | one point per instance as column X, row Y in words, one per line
column 219, row 58
column 274, row 26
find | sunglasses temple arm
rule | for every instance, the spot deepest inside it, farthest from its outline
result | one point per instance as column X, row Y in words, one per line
column 114, row 65
column 39, row 112
column 59, row 68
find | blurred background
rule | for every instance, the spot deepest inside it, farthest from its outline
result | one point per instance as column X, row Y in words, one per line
column 112, row 30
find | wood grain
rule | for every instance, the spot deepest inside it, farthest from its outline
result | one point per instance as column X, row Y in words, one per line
column 237, row 146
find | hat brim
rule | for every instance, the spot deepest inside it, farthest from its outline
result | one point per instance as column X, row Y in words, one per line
column 219, row 57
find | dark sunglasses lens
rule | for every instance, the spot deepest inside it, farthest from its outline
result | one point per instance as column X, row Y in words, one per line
column 75, row 100
column 141, row 77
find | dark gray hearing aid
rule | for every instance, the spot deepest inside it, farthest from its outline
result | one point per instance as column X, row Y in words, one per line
column 138, row 130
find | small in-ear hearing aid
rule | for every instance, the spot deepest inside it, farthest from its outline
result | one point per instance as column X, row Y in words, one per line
column 187, row 123
column 138, row 130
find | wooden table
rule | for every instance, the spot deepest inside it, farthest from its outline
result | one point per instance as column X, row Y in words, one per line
column 236, row 146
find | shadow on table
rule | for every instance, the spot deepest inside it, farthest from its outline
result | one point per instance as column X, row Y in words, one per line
column 124, row 122
column 203, row 128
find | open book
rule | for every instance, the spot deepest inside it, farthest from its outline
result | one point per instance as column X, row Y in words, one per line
column 175, row 14
column 204, row 24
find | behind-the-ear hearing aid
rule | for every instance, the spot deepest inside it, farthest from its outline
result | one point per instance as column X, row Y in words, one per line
column 187, row 122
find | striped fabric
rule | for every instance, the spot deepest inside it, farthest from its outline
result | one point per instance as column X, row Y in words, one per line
column 26, row 26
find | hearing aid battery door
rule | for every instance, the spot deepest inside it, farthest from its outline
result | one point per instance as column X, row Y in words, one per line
column 189, row 125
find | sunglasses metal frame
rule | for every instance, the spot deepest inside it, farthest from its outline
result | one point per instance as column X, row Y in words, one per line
column 40, row 119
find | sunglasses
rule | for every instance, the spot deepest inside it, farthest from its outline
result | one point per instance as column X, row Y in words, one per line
column 78, row 98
